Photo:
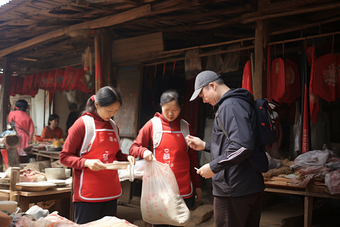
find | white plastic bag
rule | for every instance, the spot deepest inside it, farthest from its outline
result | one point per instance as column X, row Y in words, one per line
column 332, row 181
column 161, row 202
column 311, row 158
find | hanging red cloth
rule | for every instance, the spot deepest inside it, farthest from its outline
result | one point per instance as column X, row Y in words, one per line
column 278, row 79
column 43, row 80
column 247, row 82
column 58, row 80
column 19, row 85
column 69, row 81
column 13, row 83
column 292, row 82
column 33, row 91
column 27, row 85
column 325, row 81
column 81, row 81
column 37, row 81
column 313, row 98
column 50, row 81
column 269, row 74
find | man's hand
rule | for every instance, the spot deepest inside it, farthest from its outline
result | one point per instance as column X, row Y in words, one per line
column 195, row 143
column 94, row 164
column 205, row 171
column 147, row 156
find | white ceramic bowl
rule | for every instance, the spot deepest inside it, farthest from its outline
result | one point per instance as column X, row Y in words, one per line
column 8, row 207
column 55, row 173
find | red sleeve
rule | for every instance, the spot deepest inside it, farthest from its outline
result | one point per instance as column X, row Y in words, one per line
column 193, row 163
column 70, row 153
column 142, row 141
column 44, row 133
column 31, row 127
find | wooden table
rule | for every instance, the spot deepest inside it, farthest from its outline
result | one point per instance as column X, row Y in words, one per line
column 24, row 198
column 53, row 155
column 313, row 189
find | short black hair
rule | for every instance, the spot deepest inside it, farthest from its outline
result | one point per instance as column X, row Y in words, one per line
column 169, row 96
column 52, row 118
column 21, row 105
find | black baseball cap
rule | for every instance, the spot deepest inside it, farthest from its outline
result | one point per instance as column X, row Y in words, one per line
column 202, row 80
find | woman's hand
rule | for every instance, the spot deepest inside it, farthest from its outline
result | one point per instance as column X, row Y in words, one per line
column 195, row 143
column 198, row 194
column 147, row 156
column 131, row 159
column 94, row 164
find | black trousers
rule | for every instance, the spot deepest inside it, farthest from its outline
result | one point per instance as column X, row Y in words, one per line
column 243, row 211
column 85, row 212
column 190, row 202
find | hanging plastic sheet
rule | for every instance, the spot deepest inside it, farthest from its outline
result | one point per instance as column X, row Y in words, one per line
column 292, row 82
column 215, row 63
column 247, row 81
column 193, row 65
column 231, row 60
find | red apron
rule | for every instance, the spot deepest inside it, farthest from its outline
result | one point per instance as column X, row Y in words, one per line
column 103, row 185
column 172, row 150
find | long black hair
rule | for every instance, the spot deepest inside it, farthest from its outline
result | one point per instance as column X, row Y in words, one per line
column 105, row 96
column 21, row 105
column 169, row 96
column 52, row 118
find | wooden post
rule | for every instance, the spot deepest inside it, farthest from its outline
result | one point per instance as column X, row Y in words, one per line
column 15, row 176
column 4, row 93
column 106, row 56
column 259, row 59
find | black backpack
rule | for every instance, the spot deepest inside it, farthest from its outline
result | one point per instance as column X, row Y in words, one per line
column 265, row 121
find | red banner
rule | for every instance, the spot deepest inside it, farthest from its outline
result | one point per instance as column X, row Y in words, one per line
column 59, row 77
column 69, row 82
column 292, row 82
column 50, row 81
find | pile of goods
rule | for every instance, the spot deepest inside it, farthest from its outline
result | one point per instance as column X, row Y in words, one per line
column 42, row 143
column 55, row 220
column 321, row 165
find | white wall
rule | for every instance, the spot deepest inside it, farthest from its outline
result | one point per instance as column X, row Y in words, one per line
column 61, row 109
column 37, row 111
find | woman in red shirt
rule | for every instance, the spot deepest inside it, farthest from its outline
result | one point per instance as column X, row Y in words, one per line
column 171, row 148
column 93, row 141
column 52, row 131
column 23, row 124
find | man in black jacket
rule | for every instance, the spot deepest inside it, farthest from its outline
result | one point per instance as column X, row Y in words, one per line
column 237, row 186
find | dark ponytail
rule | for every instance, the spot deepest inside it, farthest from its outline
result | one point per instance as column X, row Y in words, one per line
column 21, row 105
column 105, row 96
column 169, row 96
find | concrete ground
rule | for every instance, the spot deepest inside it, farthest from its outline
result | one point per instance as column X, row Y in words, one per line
column 278, row 211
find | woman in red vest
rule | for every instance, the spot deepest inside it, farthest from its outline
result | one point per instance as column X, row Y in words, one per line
column 93, row 141
column 170, row 147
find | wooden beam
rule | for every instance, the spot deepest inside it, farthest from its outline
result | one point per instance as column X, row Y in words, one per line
column 17, row 7
column 287, row 5
column 259, row 59
column 4, row 93
column 106, row 56
column 98, row 23
column 295, row 12
column 301, row 27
